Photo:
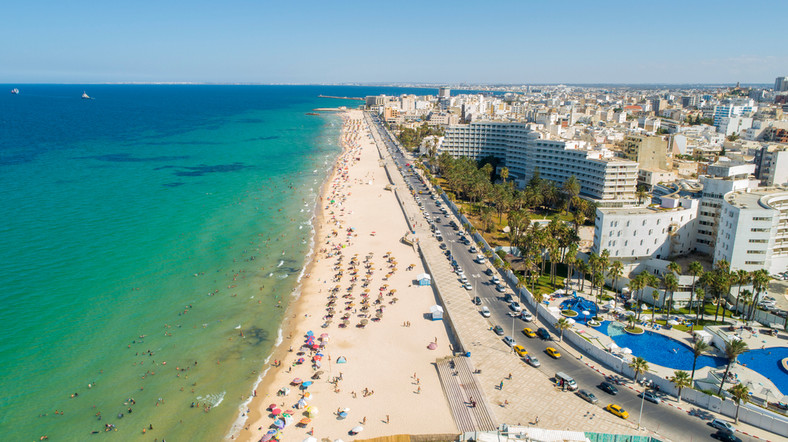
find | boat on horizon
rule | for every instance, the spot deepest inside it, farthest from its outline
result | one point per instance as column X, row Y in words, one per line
column 85, row 96
column 15, row 91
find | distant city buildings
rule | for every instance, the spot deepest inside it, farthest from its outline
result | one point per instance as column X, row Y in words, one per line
column 699, row 151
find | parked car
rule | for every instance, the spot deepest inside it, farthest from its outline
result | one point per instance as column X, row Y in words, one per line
column 508, row 297
column 528, row 332
column 543, row 333
column 485, row 311
column 477, row 300
column 650, row 396
column 520, row 350
column 515, row 306
column 443, row 246
column 526, row 316
column 501, row 288
column 722, row 425
column 553, row 352
column 588, row 396
column 468, row 286
column 498, row 330
column 617, row 410
column 533, row 361
column 724, row 436
column 508, row 340
column 496, row 280
column 472, row 249
column 489, row 271
column 608, row 388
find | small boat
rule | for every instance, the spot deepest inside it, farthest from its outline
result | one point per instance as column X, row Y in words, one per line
column 85, row 96
column 15, row 91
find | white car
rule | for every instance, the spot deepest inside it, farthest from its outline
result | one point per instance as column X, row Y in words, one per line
column 496, row 280
column 526, row 316
column 468, row 286
column 473, row 249
column 463, row 279
column 509, row 341
column 515, row 306
column 480, row 259
column 485, row 311
column 501, row 288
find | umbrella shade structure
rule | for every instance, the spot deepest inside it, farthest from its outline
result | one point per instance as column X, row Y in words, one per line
column 296, row 381
column 357, row 429
column 301, row 403
column 432, row 346
column 307, row 396
column 300, row 360
column 306, row 384
column 341, row 360
column 279, row 423
column 311, row 411
column 276, row 411
column 585, row 313
column 342, row 414
column 626, row 351
column 269, row 435
column 272, row 406
column 287, row 418
column 317, row 374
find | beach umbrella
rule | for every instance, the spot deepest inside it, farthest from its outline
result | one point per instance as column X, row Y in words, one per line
column 585, row 313
column 296, row 381
column 272, row 406
column 317, row 374
column 357, row 429
column 343, row 413
column 307, row 396
column 279, row 423
column 300, row 360
column 323, row 335
column 288, row 419
column 311, row 411
column 306, row 384
column 276, row 411
column 269, row 435
column 432, row 346
column 301, row 403
column 626, row 351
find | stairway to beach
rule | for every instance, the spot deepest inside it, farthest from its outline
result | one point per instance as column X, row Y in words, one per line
column 459, row 389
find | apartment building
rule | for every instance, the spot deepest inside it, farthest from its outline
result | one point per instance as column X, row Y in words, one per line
column 771, row 165
column 753, row 231
column 649, row 152
column 607, row 180
column 647, row 232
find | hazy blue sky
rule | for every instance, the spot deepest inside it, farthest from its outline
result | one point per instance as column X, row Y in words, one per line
column 394, row 41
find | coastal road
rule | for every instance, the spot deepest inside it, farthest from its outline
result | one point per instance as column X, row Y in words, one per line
column 662, row 418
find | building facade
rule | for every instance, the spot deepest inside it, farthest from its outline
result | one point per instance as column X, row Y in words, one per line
column 753, row 232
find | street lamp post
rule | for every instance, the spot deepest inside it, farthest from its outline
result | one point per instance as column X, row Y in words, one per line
column 643, row 399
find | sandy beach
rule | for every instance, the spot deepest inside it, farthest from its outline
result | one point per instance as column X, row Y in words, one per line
column 368, row 358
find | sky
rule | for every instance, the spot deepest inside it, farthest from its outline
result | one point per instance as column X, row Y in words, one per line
column 378, row 41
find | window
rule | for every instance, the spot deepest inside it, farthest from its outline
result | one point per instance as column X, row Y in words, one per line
column 754, row 229
column 753, row 263
column 761, row 218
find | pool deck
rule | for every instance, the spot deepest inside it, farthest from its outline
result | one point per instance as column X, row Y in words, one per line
column 760, row 386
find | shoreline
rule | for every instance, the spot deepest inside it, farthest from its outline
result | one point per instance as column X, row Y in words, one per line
column 373, row 352
column 293, row 310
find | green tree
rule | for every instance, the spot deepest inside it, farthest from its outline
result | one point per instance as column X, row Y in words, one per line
column 571, row 188
column 671, row 284
column 681, row 379
column 732, row 350
column 641, row 194
column 760, row 282
column 538, row 297
column 562, row 324
column 675, row 268
column 742, row 277
column 616, row 271
column 504, row 174
column 741, row 393
column 696, row 269
column 640, row 365
column 698, row 348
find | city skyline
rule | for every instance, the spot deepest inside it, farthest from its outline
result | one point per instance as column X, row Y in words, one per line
column 403, row 42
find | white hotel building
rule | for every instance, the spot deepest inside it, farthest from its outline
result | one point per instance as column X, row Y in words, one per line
column 608, row 181
column 753, row 230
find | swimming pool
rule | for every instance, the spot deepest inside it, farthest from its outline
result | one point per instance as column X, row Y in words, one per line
column 767, row 362
column 580, row 305
column 658, row 349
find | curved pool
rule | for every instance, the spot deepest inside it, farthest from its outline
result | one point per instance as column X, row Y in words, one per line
column 658, row 349
column 766, row 361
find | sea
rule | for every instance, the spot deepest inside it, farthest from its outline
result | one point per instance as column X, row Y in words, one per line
column 151, row 239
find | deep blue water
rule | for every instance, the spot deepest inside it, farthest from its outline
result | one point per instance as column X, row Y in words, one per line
column 767, row 361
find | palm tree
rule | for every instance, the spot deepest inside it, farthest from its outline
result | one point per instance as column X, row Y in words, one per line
column 635, row 284
column 698, row 349
column 675, row 269
column 701, row 295
column 696, row 268
column 722, row 282
column 562, row 324
column 681, row 379
column 742, row 277
column 504, row 174
column 538, row 297
column 650, row 280
column 746, row 300
column 760, row 281
column 741, row 393
column 641, row 194
column 640, row 365
column 593, row 265
column 655, row 297
column 616, row 271
column 732, row 350
column 572, row 189
column 583, row 269
column 671, row 285
column 604, row 263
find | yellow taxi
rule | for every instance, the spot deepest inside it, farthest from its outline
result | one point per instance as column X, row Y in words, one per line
column 528, row 332
column 520, row 350
column 552, row 352
column 617, row 410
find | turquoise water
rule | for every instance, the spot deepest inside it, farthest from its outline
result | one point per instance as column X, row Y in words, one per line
column 143, row 227
column 658, row 349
